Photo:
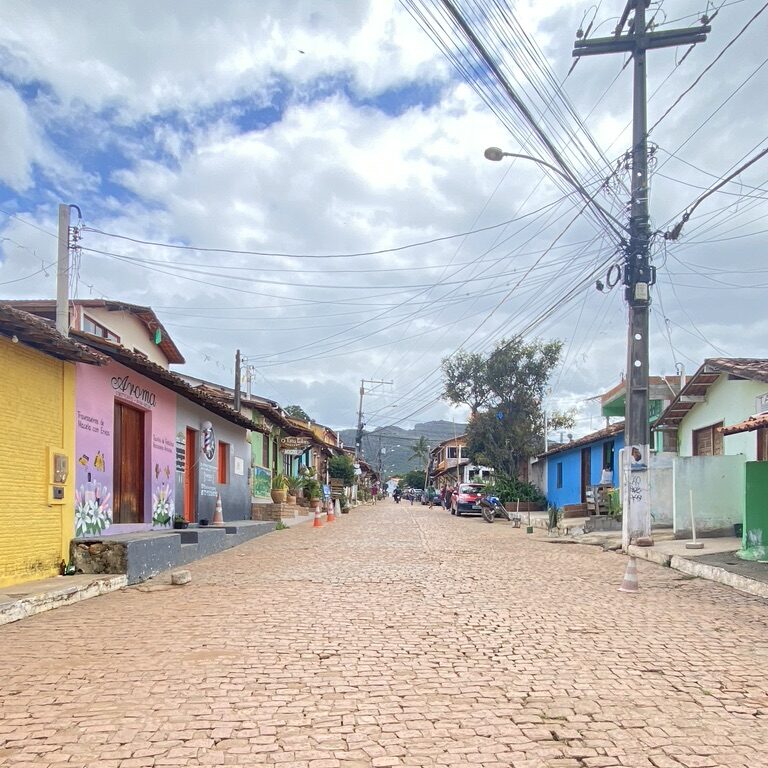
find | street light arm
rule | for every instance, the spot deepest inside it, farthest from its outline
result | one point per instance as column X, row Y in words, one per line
column 496, row 154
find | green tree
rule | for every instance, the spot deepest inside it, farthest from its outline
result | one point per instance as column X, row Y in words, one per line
column 509, row 431
column 465, row 380
column 413, row 479
column 420, row 451
column 297, row 412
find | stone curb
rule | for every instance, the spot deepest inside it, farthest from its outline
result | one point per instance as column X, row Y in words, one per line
column 56, row 598
column 719, row 575
column 650, row 554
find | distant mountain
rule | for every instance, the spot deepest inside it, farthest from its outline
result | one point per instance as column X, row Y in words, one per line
column 397, row 443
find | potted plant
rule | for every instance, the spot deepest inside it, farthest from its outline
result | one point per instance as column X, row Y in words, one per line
column 179, row 522
column 312, row 492
column 295, row 484
column 279, row 491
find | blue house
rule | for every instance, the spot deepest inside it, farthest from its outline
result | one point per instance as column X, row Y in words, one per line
column 573, row 467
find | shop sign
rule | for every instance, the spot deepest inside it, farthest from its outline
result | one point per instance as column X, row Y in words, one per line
column 134, row 392
column 294, row 446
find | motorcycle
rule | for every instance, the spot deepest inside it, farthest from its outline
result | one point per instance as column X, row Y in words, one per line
column 491, row 508
column 397, row 498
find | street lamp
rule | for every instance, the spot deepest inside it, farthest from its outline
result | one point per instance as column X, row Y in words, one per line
column 496, row 154
column 638, row 277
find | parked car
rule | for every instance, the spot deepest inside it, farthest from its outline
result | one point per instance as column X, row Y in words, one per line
column 466, row 498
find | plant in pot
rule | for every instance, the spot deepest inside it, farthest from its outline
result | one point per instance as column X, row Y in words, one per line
column 279, row 491
column 312, row 492
column 179, row 522
column 295, row 484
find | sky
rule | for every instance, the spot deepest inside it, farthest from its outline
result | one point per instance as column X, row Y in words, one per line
column 316, row 167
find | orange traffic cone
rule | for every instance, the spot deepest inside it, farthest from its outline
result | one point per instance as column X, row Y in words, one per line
column 330, row 517
column 318, row 521
column 218, row 515
column 630, row 577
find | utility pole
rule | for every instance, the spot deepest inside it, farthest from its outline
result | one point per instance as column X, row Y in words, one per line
column 62, row 273
column 359, row 435
column 638, row 273
column 237, row 380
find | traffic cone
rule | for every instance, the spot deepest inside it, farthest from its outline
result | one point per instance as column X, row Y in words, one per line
column 630, row 577
column 218, row 515
column 318, row 521
column 330, row 517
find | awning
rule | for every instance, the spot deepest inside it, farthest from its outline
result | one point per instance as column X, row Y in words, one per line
column 759, row 421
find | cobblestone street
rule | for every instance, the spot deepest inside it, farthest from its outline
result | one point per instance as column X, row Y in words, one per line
column 396, row 636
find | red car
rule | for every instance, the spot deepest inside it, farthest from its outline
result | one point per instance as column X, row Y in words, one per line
column 466, row 498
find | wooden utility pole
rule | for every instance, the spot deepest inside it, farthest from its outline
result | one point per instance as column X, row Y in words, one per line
column 638, row 273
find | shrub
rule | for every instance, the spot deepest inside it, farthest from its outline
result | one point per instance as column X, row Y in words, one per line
column 312, row 489
column 511, row 489
column 342, row 468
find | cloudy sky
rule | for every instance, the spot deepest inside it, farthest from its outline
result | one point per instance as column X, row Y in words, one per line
column 317, row 132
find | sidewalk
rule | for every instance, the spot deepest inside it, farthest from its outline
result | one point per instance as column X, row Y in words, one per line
column 716, row 561
column 21, row 600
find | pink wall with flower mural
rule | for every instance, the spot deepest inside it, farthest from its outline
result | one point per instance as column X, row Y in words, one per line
column 98, row 387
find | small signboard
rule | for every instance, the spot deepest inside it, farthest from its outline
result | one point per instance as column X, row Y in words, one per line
column 181, row 452
column 239, row 466
column 294, row 446
column 761, row 403
column 326, row 492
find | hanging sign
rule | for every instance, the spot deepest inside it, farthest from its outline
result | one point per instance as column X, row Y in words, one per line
column 294, row 446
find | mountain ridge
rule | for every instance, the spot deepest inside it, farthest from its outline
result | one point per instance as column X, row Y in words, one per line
column 398, row 443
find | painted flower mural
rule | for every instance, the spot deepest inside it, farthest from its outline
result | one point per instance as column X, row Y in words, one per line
column 162, row 506
column 93, row 513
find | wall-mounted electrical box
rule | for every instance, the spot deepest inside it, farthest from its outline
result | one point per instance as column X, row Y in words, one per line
column 58, row 463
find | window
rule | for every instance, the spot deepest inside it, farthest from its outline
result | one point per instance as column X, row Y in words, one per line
column 559, row 474
column 452, row 452
column 265, row 451
column 97, row 329
column 669, row 441
column 608, row 454
column 708, row 441
column 463, row 452
column 274, row 456
column 224, row 449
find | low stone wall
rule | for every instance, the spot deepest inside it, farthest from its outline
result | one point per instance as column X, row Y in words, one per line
column 275, row 512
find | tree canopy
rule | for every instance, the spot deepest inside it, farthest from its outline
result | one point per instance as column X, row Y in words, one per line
column 297, row 412
column 420, row 451
column 413, row 479
column 465, row 380
column 506, row 396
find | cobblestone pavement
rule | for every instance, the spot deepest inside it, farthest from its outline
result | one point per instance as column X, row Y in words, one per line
column 396, row 636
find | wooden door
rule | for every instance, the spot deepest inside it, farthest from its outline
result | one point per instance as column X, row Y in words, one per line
column 190, row 476
column 128, row 494
column 586, row 472
column 762, row 444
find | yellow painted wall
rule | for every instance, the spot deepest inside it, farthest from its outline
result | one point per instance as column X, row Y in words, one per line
column 37, row 406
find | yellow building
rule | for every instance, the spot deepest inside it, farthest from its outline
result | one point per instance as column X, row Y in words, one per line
column 37, row 408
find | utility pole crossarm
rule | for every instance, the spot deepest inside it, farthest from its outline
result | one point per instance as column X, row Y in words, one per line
column 628, row 43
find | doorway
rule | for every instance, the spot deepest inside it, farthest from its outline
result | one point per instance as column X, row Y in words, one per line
column 128, row 493
column 190, row 476
column 586, row 472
